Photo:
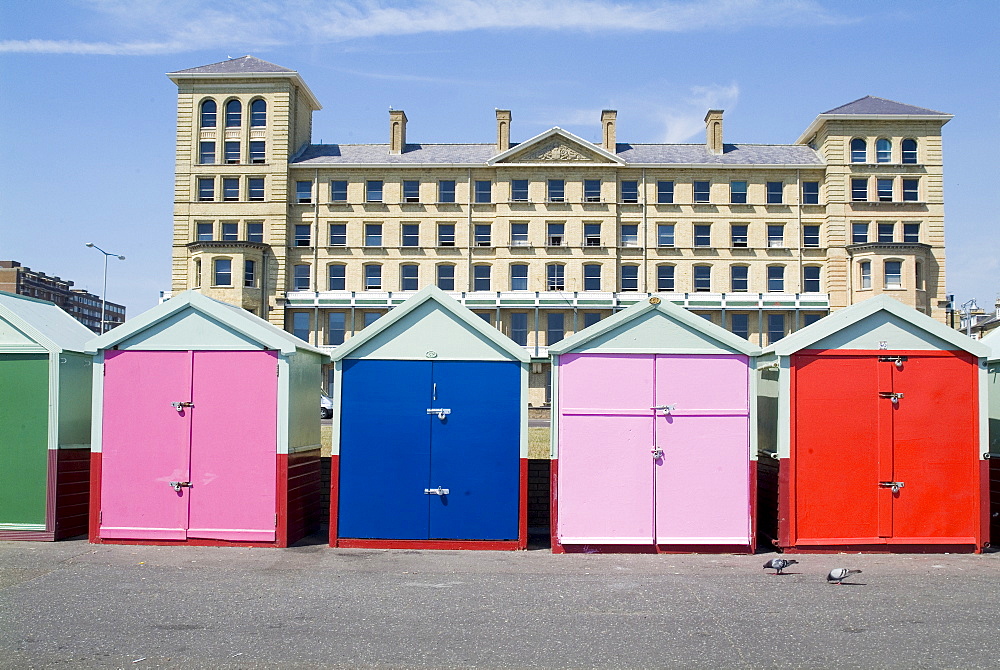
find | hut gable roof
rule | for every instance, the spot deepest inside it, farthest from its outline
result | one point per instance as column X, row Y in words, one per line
column 31, row 324
column 993, row 341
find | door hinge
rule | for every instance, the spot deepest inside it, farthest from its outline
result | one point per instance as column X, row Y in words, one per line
column 275, row 520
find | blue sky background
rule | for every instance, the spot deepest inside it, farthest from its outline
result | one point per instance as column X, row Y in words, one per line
column 87, row 115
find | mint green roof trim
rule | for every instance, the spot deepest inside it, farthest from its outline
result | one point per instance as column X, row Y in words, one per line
column 841, row 319
column 693, row 322
column 44, row 323
column 993, row 341
column 443, row 302
column 232, row 317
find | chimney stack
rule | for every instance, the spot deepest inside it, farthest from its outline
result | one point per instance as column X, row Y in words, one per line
column 397, row 131
column 503, row 130
column 713, row 131
column 608, row 139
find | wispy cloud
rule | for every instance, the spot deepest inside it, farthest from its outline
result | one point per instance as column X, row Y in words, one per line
column 173, row 26
column 685, row 119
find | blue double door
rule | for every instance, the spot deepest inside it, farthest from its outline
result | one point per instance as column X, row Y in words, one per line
column 430, row 450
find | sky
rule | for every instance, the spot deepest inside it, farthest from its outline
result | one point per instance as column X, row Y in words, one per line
column 87, row 116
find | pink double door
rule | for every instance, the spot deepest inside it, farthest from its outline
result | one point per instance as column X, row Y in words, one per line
column 654, row 449
column 189, row 445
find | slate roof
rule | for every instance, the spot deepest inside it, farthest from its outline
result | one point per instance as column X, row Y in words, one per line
column 871, row 105
column 236, row 66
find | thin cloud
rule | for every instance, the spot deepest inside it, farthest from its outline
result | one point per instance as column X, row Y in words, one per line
column 188, row 25
column 683, row 121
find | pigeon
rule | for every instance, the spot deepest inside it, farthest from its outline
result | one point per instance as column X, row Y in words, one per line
column 779, row 564
column 838, row 575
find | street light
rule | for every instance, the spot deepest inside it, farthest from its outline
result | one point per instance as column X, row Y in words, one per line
column 104, row 293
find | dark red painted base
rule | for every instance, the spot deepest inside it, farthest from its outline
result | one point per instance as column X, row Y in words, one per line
column 67, row 498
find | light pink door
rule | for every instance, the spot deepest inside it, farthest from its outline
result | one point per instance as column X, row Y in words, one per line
column 605, row 476
column 702, row 481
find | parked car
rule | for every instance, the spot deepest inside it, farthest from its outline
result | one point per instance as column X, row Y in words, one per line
column 325, row 406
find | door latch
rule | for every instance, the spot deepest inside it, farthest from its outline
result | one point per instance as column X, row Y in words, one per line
column 177, row 486
column 179, row 406
column 441, row 412
column 657, row 453
column 666, row 409
column 898, row 360
column 895, row 486
column 892, row 396
column 437, row 492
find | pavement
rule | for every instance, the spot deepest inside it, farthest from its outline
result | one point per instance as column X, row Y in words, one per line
column 75, row 605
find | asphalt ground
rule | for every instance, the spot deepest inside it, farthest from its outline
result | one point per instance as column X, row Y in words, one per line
column 76, row 605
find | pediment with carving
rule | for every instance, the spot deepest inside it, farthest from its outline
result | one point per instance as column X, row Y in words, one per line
column 555, row 148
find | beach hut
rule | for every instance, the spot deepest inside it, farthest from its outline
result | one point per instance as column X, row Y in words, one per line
column 44, row 421
column 993, row 385
column 206, row 429
column 881, row 433
column 430, row 432
column 652, row 441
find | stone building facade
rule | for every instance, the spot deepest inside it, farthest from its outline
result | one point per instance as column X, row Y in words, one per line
column 82, row 305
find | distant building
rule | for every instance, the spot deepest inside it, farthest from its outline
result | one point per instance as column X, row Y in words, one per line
column 978, row 322
column 82, row 305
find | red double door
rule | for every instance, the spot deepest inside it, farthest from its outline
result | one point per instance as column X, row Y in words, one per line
column 884, row 449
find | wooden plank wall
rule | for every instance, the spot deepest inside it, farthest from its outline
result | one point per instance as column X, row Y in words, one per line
column 304, row 494
column 72, row 492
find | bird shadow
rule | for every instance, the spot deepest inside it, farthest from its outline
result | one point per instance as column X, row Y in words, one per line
column 852, row 584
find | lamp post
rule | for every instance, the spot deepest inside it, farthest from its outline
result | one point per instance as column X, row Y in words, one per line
column 104, row 292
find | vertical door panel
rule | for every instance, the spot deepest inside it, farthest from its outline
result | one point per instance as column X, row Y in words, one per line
column 145, row 444
column 385, row 449
column 233, row 446
column 24, row 431
column 702, row 483
column 835, row 449
column 475, row 450
column 605, row 493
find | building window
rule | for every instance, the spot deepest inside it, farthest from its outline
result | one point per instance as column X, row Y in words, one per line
column 886, row 232
column 859, row 233
column 664, row 277
column 665, row 235
column 411, row 191
column 234, row 114
column 410, row 234
column 484, row 191
column 300, row 279
column 230, row 232
column 208, row 110
column 810, row 193
column 206, row 189
column 249, row 274
column 884, row 187
column 739, row 324
column 197, row 272
column 555, row 234
column 703, row 235
column 368, row 318
column 373, row 277
column 702, row 278
column 258, row 113
column 911, row 190
column 738, row 192
column 255, row 189
column 232, row 152
column 204, row 232
column 300, row 325
column 446, row 190
column 911, row 232
column 865, row 268
column 909, row 148
column 591, row 234
column 338, row 191
column 664, row 192
column 336, row 328
column 446, row 277
column 555, row 328
column 859, row 189
column 918, row 276
column 894, row 274
column 408, row 277
column 231, row 188
column 810, row 279
column 738, row 235
column 630, row 278
column 373, row 234
column 630, row 235
column 775, row 327
column 739, row 278
column 591, row 190
column 257, row 153
column 483, row 236
column 480, row 277
column 303, row 192
column 590, row 318
column 775, row 279
column 859, row 150
column 809, row 319
column 702, row 191
column 519, row 328
column 555, row 277
column 255, row 232
column 883, row 150
column 446, row 235
column 775, row 192
column 373, row 191
column 518, row 234
column 592, row 277
column 302, row 235
column 336, row 278
column 518, row 277
column 206, row 153
column 519, row 190
column 223, row 272
column 338, row 234
column 810, row 236
column 775, row 236
column 630, row 191
column 557, row 190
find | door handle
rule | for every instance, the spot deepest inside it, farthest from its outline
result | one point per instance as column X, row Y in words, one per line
column 177, row 486
column 441, row 412
column 437, row 492
column 179, row 406
column 657, row 453
column 667, row 409
column 892, row 396
column 895, row 486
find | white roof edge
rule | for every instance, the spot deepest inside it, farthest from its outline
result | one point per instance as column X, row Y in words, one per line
column 39, row 336
column 822, row 118
column 175, row 76
column 551, row 132
column 992, row 340
column 431, row 293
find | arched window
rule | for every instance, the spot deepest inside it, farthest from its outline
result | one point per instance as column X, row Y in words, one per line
column 592, row 277
column 337, row 278
column 234, row 114
column 859, row 150
column 775, row 278
column 409, row 277
column 480, row 277
column 373, row 277
column 664, row 277
column 909, row 147
column 883, row 150
column 739, row 278
column 300, row 278
column 258, row 113
column 630, row 278
column 555, row 277
column 810, row 279
column 894, row 274
column 865, row 268
column 223, row 272
column 518, row 277
column 703, row 278
column 446, row 277
column 197, row 272
column 208, row 109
